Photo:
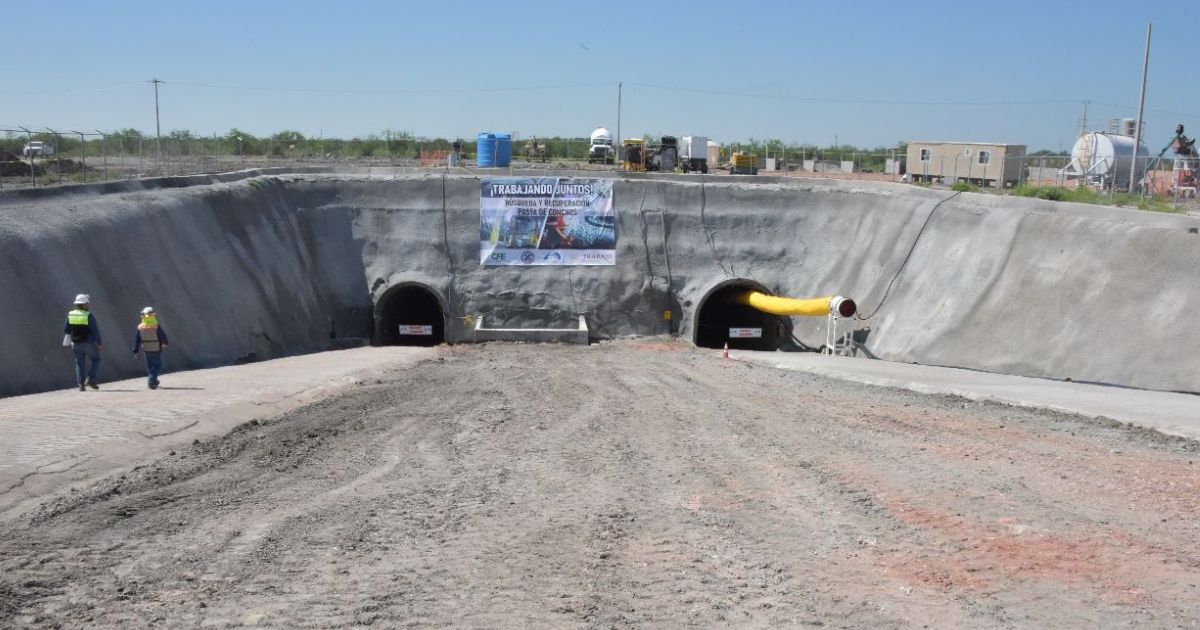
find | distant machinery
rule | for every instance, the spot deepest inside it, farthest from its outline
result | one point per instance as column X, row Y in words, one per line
column 664, row 157
column 635, row 154
column 743, row 163
column 536, row 150
column 693, row 154
column 600, row 147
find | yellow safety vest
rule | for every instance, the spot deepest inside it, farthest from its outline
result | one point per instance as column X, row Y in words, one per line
column 78, row 322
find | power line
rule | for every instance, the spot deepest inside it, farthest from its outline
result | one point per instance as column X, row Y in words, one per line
column 68, row 92
column 845, row 101
column 263, row 88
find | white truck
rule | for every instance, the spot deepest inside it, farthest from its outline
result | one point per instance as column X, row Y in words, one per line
column 37, row 148
column 600, row 147
column 693, row 154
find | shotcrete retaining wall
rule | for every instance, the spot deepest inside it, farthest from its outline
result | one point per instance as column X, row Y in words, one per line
column 285, row 264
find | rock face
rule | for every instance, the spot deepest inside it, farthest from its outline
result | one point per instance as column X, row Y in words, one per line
column 265, row 266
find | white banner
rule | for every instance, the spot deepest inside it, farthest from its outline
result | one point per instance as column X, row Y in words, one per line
column 546, row 221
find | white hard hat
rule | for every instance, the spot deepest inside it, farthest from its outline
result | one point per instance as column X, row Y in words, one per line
column 148, row 310
column 83, row 298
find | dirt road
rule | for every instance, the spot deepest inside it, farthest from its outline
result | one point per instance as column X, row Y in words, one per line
column 625, row 485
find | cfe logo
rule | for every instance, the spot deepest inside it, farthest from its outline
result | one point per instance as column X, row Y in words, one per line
column 499, row 257
column 527, row 257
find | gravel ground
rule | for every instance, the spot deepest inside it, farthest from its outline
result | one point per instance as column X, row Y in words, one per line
column 624, row 485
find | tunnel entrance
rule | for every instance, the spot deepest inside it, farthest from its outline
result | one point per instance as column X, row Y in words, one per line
column 719, row 313
column 409, row 315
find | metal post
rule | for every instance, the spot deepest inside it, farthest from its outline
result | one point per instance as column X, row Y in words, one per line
column 1137, row 131
column 157, row 126
column 57, row 160
column 32, row 167
column 617, row 145
column 82, row 157
column 104, row 150
column 141, row 156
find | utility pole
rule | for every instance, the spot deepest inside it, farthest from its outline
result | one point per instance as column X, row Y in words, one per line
column 617, row 141
column 1137, row 132
column 1083, row 121
column 157, row 126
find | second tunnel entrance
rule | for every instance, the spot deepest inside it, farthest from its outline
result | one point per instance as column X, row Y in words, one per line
column 722, row 319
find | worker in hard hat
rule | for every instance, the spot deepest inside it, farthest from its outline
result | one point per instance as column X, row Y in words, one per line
column 84, row 334
column 150, row 339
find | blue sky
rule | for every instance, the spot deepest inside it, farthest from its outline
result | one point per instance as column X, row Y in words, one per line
column 865, row 73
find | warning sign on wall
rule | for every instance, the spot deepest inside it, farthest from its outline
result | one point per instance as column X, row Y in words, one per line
column 406, row 329
column 745, row 333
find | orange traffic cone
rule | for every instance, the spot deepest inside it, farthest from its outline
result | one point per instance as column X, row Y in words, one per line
column 725, row 352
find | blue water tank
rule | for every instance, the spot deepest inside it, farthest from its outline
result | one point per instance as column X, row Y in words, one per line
column 495, row 150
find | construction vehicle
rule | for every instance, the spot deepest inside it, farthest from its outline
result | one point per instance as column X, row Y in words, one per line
column 37, row 148
column 693, row 154
column 600, row 147
column 536, row 150
column 663, row 157
column 635, row 154
column 743, row 163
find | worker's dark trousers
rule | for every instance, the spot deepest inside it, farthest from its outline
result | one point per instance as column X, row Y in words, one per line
column 83, row 352
column 153, row 367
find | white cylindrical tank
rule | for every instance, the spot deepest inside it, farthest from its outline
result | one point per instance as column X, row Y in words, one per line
column 1106, row 157
column 601, row 134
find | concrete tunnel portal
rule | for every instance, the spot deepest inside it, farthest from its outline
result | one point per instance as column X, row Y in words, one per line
column 719, row 312
column 409, row 314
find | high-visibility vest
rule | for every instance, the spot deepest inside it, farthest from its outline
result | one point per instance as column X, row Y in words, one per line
column 78, row 321
column 148, row 333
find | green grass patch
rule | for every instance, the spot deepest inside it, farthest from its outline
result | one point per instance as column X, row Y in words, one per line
column 961, row 186
column 1088, row 195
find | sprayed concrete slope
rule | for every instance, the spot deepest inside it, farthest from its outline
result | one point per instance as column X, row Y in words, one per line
column 273, row 265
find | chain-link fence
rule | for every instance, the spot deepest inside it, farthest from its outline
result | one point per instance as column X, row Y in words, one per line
column 47, row 156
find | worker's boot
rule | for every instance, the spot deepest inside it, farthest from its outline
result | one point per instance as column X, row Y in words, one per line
column 93, row 384
column 82, row 387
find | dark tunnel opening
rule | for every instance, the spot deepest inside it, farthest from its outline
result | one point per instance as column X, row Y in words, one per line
column 409, row 315
column 721, row 319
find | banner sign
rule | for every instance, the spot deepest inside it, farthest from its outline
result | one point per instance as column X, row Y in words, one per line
column 546, row 221
column 415, row 329
column 745, row 333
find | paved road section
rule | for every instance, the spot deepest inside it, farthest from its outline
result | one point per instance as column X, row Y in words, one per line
column 65, row 435
column 1167, row 412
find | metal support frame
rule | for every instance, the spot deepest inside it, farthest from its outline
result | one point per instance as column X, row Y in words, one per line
column 835, row 344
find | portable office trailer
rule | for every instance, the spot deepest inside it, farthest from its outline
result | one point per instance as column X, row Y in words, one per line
column 980, row 163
